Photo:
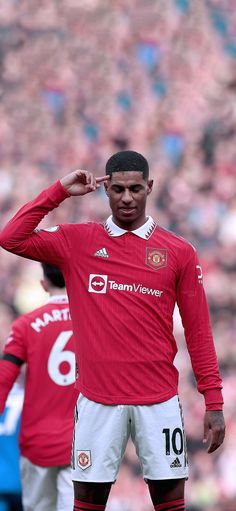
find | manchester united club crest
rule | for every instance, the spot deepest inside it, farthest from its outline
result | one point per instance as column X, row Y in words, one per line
column 84, row 459
column 156, row 258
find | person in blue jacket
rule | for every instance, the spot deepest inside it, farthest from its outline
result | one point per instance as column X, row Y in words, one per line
column 10, row 484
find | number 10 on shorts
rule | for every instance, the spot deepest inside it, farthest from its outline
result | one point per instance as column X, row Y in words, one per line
column 174, row 440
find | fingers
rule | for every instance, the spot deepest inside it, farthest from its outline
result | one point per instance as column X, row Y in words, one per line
column 205, row 433
column 91, row 181
column 217, row 438
column 214, row 430
column 94, row 182
column 88, row 178
column 102, row 179
column 214, row 444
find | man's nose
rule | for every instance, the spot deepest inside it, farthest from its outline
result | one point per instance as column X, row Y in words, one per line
column 127, row 196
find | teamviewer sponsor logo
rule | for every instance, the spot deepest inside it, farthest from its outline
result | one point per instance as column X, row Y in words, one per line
column 100, row 284
column 97, row 283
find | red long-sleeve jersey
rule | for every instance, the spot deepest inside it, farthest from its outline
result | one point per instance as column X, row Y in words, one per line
column 122, row 288
column 43, row 340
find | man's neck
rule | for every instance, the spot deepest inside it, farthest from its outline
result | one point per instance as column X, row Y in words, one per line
column 130, row 226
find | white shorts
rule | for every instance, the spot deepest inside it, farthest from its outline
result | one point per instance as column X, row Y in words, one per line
column 101, row 433
column 46, row 488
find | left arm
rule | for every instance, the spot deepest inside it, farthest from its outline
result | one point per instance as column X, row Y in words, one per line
column 194, row 312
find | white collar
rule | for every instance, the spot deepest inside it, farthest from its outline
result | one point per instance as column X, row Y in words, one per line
column 58, row 299
column 144, row 232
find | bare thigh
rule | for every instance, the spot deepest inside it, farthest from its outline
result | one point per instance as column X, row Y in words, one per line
column 166, row 490
column 92, row 493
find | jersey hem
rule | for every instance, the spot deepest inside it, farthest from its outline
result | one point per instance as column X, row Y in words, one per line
column 124, row 400
column 47, row 464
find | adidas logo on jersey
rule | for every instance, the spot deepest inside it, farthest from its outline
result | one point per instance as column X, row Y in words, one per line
column 101, row 253
column 176, row 463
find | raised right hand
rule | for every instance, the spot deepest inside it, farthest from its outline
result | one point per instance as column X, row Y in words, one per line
column 81, row 182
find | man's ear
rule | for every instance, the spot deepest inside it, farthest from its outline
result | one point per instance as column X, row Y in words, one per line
column 149, row 186
column 44, row 285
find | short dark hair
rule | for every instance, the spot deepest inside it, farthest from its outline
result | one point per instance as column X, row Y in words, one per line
column 127, row 161
column 54, row 275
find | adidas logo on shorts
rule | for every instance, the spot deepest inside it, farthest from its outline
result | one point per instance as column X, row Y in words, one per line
column 176, row 463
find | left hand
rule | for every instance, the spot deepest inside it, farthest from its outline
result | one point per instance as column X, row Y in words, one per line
column 214, row 429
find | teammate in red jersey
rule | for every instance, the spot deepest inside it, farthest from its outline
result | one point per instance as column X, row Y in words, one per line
column 42, row 340
column 123, row 279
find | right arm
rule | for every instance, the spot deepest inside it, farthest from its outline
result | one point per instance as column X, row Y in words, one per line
column 19, row 235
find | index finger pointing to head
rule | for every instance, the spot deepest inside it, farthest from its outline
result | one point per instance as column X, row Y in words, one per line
column 102, row 179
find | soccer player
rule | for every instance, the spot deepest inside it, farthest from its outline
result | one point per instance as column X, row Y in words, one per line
column 124, row 278
column 42, row 340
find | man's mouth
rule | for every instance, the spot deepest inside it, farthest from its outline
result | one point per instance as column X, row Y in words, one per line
column 127, row 210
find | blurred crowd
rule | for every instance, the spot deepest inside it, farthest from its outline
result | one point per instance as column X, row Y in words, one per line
column 80, row 80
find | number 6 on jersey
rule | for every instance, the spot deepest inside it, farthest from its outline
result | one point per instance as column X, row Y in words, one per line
column 57, row 356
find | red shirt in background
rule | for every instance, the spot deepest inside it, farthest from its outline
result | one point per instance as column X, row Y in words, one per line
column 43, row 340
